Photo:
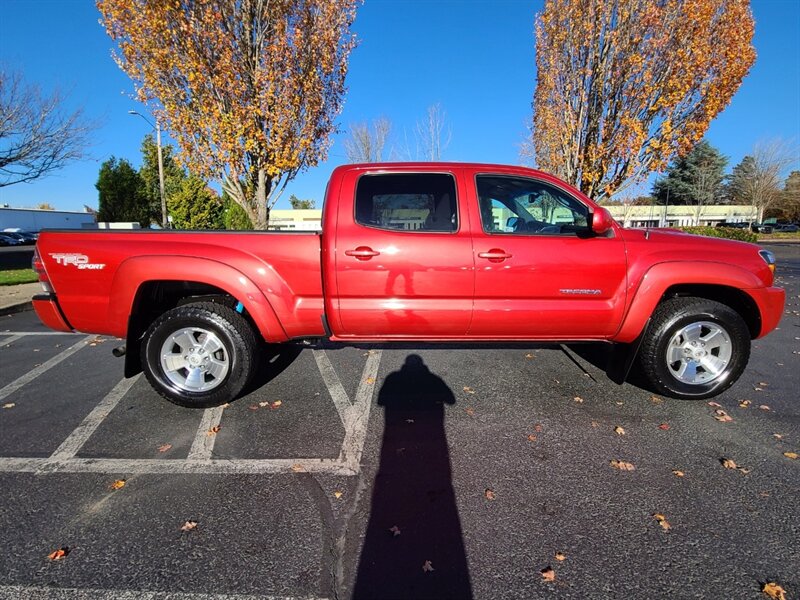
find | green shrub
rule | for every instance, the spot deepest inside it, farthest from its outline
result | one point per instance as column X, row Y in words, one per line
column 730, row 233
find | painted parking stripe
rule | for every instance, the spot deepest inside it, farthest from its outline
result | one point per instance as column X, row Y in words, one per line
column 335, row 388
column 42, row 368
column 204, row 439
column 84, row 431
column 53, row 593
column 10, row 340
column 358, row 416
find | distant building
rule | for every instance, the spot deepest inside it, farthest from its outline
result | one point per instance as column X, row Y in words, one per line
column 36, row 219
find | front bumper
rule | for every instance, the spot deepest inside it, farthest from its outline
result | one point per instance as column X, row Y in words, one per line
column 770, row 302
column 49, row 312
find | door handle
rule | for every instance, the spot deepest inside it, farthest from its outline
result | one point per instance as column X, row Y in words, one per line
column 495, row 255
column 362, row 253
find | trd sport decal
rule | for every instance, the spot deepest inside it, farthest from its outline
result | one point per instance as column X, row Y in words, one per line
column 81, row 261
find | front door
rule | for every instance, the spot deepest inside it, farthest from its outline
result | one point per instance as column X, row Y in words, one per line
column 404, row 269
column 539, row 270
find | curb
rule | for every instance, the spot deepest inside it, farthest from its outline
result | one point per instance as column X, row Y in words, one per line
column 16, row 308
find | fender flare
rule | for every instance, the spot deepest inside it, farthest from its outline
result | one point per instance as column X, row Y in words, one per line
column 662, row 276
column 136, row 271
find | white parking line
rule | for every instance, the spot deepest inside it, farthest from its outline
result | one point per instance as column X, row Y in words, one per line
column 10, row 340
column 78, row 438
column 52, row 593
column 354, row 416
column 45, row 366
column 204, row 439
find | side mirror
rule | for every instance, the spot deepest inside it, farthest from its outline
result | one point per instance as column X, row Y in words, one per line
column 602, row 221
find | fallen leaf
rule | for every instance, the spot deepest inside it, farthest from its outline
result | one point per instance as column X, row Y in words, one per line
column 656, row 400
column 619, row 430
column 620, row 403
column 275, row 404
column 469, row 390
column 777, row 436
column 773, row 590
column 560, row 556
column 721, row 415
column 490, row 494
column 578, row 399
column 792, row 455
column 298, row 468
column 337, row 494
column 226, row 405
column 214, row 430
column 763, row 384
column 263, row 404
column 744, row 403
column 758, row 389
column 253, row 407
column 118, row 484
column 622, row 465
column 662, row 520
column 764, row 407
column 664, row 426
column 370, row 380
column 164, row 447
column 470, row 411
column 538, row 428
column 427, row 567
column 715, row 404
column 728, row 463
column 678, row 473
column 395, row 531
column 189, row 525
column 409, row 420
column 529, row 356
column 9, row 405
column 595, row 424
column 548, row 574
column 531, row 438
column 59, row 554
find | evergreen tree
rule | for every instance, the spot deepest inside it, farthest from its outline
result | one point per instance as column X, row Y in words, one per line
column 120, row 194
column 195, row 206
column 173, row 175
column 695, row 179
column 235, row 217
column 738, row 188
column 298, row 204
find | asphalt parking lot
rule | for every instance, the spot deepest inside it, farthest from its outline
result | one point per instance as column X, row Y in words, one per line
column 396, row 473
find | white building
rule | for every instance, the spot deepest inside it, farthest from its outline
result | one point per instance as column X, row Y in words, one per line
column 36, row 219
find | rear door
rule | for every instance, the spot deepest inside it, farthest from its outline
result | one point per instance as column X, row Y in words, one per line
column 403, row 256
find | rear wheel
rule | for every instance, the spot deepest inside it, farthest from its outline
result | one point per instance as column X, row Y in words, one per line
column 694, row 348
column 199, row 355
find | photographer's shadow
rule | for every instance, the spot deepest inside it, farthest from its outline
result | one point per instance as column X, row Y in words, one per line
column 414, row 518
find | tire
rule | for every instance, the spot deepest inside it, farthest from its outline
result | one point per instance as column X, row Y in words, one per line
column 199, row 355
column 694, row 348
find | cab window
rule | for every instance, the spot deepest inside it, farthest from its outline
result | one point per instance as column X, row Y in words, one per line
column 414, row 202
column 517, row 205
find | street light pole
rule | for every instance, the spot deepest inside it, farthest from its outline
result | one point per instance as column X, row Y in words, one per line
column 157, row 127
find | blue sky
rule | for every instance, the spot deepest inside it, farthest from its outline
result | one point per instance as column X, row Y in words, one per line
column 475, row 57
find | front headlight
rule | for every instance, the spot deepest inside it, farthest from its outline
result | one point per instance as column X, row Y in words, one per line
column 769, row 258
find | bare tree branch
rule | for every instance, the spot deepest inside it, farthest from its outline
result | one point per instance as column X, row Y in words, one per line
column 36, row 135
column 364, row 145
column 434, row 133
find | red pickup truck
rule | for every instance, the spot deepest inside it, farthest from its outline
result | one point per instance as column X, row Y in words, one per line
column 424, row 252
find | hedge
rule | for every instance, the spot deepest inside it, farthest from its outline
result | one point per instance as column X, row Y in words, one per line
column 731, row 233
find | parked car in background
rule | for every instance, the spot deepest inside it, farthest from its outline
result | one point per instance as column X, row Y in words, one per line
column 786, row 228
column 27, row 235
column 25, row 240
column 7, row 240
column 744, row 225
column 761, row 227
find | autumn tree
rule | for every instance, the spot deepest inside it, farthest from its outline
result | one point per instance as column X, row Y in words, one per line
column 365, row 145
column 248, row 89
column 37, row 135
column 625, row 87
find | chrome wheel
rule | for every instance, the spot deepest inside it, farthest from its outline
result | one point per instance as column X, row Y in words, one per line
column 194, row 359
column 699, row 353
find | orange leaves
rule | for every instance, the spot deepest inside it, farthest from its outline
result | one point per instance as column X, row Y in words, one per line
column 659, row 86
column 662, row 520
column 189, row 526
column 790, row 455
column 118, row 484
column 773, row 590
column 253, row 110
column 490, row 494
column 622, row 465
column 548, row 574
column 59, row 554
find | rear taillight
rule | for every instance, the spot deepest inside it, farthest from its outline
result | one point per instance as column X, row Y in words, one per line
column 38, row 267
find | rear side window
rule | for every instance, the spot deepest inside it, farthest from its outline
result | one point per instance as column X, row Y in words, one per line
column 407, row 202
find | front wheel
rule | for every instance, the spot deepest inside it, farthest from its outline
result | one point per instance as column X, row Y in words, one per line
column 694, row 348
column 199, row 355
